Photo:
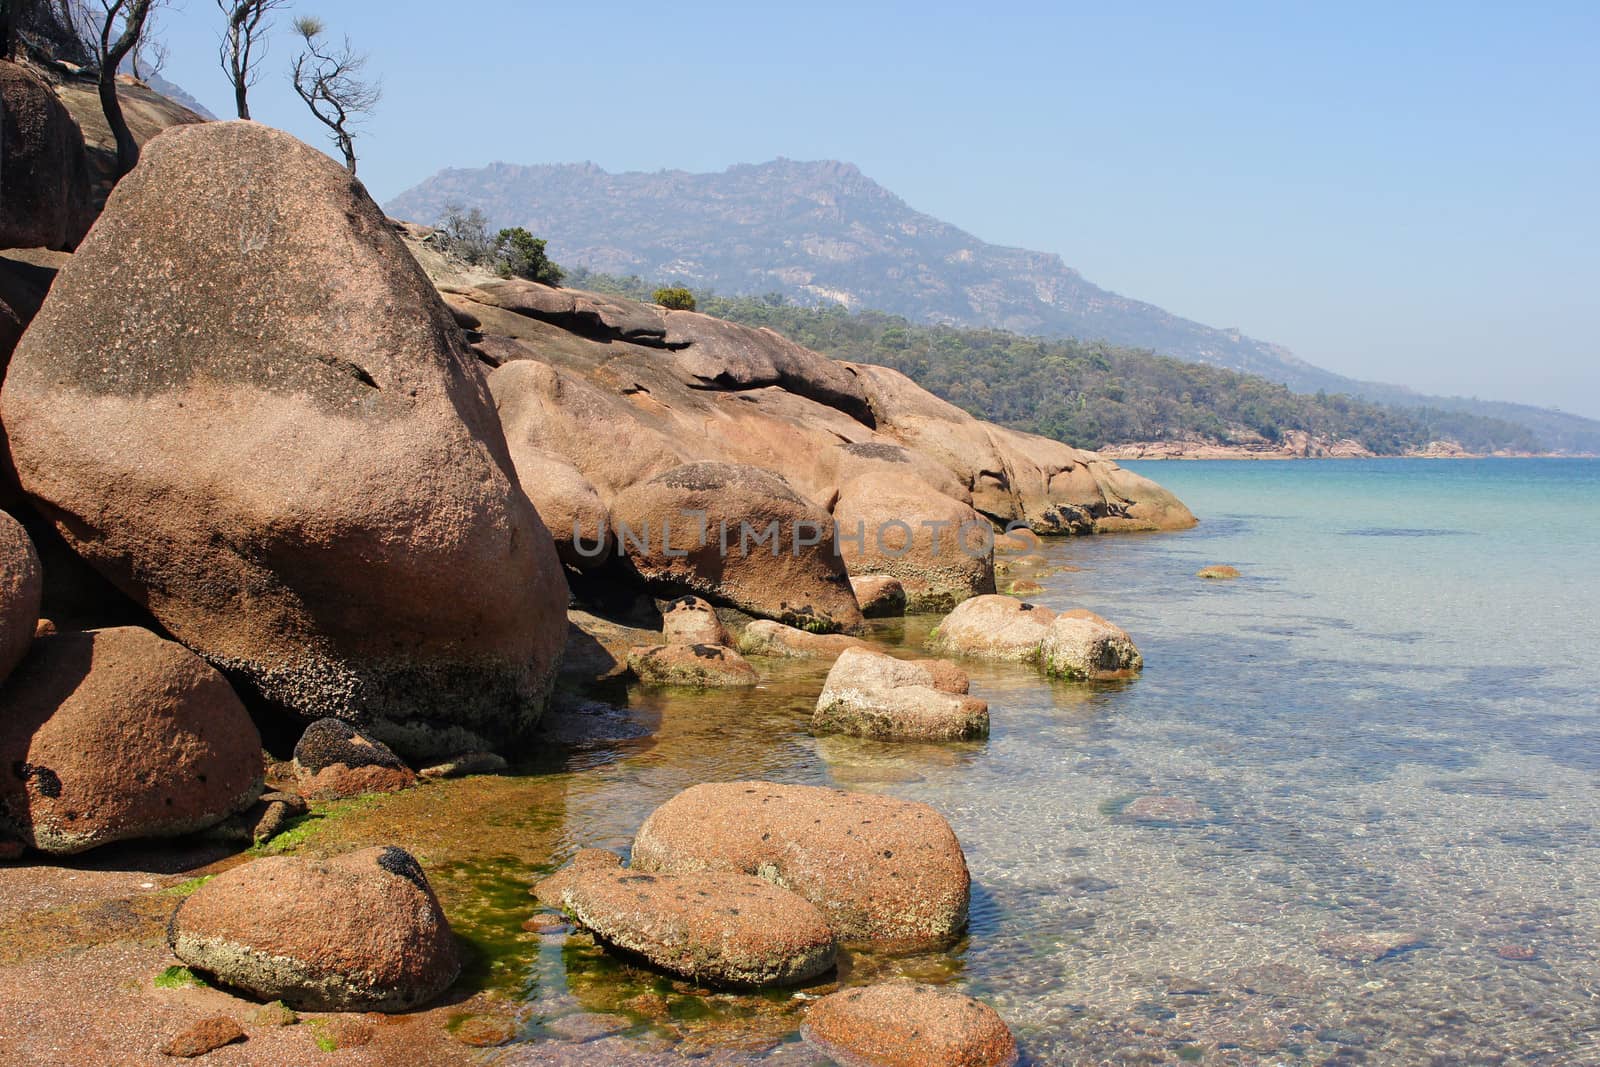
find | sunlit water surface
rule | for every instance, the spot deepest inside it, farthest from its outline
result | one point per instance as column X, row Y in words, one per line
column 1390, row 725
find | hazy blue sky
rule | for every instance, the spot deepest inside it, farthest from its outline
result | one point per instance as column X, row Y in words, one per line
column 1403, row 192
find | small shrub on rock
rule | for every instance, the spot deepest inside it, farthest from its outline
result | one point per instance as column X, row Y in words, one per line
column 675, row 298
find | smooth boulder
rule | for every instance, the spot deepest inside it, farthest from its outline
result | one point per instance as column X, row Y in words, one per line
column 44, row 168
column 333, row 760
column 993, row 627
column 113, row 735
column 21, row 590
column 691, row 621
column 940, row 549
column 901, row 1023
column 360, row 932
column 1080, row 646
column 691, row 667
column 736, row 535
column 568, row 503
column 763, row 637
column 869, row 694
column 713, row 927
column 244, row 403
column 881, row 869
column 881, row 596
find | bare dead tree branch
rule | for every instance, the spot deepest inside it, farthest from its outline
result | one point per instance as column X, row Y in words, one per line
column 244, row 44
column 120, row 30
column 329, row 80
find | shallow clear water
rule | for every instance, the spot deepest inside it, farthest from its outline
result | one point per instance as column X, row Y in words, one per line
column 1390, row 725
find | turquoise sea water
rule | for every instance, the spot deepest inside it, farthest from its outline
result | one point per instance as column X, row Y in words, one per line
column 1387, row 733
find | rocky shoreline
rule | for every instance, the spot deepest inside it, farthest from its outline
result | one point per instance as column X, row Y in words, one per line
column 1296, row 444
column 307, row 523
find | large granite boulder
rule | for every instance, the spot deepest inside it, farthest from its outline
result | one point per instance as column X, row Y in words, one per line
column 730, row 356
column 559, row 412
column 869, row 694
column 740, row 536
column 44, row 170
column 993, row 627
column 713, row 927
column 940, row 549
column 244, row 403
column 21, row 589
column 901, row 1023
column 1051, row 487
column 1081, row 646
column 111, row 735
column 880, row 869
column 568, row 503
column 360, row 932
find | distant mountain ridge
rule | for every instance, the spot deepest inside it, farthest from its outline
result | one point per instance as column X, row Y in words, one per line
column 822, row 232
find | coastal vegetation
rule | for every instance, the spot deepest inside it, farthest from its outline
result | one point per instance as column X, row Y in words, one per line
column 1091, row 394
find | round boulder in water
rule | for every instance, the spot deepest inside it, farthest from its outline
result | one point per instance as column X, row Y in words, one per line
column 712, row 927
column 905, row 1024
column 881, row 869
column 360, row 932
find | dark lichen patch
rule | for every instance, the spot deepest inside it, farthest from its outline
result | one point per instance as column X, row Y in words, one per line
column 400, row 863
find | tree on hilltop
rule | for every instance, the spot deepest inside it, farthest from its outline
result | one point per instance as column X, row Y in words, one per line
column 329, row 79
column 244, row 44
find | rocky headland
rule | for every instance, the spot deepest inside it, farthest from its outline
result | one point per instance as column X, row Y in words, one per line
column 301, row 511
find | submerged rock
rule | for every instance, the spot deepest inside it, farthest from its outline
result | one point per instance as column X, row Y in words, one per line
column 466, row 765
column 360, row 932
column 245, row 405
column 1164, row 809
column 1081, row 646
column 738, row 535
column 712, row 927
column 112, row 735
column 21, row 589
column 1366, row 946
column 691, row 667
column 905, row 1024
column 881, row 596
column 880, row 869
column 767, row 638
column 869, row 694
column 993, row 627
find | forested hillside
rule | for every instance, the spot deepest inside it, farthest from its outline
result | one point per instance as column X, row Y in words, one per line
column 1092, row 394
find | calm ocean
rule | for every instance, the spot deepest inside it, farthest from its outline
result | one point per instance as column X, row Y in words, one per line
column 1347, row 814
